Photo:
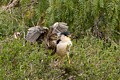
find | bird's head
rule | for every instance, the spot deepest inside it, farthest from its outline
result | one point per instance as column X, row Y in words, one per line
column 65, row 36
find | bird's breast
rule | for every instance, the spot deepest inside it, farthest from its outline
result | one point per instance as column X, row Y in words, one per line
column 61, row 49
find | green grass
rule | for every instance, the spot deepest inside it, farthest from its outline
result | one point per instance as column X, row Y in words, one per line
column 91, row 60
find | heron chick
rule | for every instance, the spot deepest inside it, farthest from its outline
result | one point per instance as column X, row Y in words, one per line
column 17, row 35
column 63, row 45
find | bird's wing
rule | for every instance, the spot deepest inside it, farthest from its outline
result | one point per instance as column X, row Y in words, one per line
column 59, row 27
column 69, row 46
column 54, row 32
column 34, row 33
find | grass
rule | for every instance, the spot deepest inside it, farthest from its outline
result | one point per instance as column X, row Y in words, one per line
column 91, row 59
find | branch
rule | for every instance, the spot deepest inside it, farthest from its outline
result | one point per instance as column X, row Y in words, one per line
column 11, row 4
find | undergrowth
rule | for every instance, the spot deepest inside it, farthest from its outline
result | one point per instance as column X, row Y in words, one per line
column 90, row 59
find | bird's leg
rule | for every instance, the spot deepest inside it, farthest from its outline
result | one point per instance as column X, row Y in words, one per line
column 68, row 57
column 68, row 50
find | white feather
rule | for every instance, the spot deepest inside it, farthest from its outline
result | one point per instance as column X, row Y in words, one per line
column 63, row 46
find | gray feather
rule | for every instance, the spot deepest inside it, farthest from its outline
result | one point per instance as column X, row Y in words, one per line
column 59, row 27
column 34, row 33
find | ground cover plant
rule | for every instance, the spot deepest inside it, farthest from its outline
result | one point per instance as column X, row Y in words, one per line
column 95, row 30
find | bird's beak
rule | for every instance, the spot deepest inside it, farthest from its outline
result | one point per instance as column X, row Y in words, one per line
column 69, row 36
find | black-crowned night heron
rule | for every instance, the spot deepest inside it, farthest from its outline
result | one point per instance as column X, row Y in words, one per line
column 63, row 45
column 48, row 36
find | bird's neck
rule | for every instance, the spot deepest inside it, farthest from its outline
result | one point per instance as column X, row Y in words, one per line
column 65, row 39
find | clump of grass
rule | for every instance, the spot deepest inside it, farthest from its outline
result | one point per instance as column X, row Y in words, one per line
column 90, row 60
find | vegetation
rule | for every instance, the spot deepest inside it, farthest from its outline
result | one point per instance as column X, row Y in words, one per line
column 95, row 25
column 90, row 60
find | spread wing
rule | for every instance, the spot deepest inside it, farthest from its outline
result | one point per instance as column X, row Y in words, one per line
column 34, row 33
column 59, row 27
column 55, row 30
